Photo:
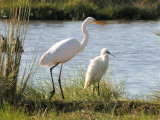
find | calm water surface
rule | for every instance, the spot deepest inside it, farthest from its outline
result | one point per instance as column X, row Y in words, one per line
column 134, row 44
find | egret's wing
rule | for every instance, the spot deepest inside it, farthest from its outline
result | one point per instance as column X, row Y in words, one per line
column 61, row 52
column 92, row 71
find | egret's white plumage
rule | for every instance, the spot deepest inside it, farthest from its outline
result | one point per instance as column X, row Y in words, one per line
column 61, row 52
column 97, row 68
column 65, row 50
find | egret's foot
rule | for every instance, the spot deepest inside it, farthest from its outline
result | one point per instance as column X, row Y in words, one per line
column 63, row 97
column 52, row 93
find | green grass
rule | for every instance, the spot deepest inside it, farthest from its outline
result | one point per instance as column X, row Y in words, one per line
column 103, row 9
column 80, row 10
column 12, row 113
column 80, row 103
column 100, row 116
column 73, row 88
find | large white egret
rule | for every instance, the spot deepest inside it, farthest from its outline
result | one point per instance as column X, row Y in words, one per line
column 97, row 69
column 65, row 50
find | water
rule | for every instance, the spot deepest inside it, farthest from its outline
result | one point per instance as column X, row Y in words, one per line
column 134, row 44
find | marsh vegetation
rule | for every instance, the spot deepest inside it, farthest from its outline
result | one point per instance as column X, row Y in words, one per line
column 101, row 9
column 11, row 51
column 20, row 99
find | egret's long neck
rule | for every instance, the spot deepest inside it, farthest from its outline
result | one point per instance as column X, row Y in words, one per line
column 86, row 36
column 105, row 57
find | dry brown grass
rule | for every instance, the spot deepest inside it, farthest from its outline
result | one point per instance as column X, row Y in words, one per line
column 11, row 48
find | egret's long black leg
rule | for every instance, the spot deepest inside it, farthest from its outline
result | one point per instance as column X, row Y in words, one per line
column 98, row 90
column 52, row 92
column 59, row 80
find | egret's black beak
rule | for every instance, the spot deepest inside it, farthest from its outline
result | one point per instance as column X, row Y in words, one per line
column 111, row 54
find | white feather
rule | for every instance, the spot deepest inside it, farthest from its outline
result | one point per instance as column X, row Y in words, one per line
column 61, row 52
column 96, row 70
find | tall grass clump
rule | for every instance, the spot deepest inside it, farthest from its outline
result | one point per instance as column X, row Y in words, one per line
column 73, row 89
column 109, row 89
column 11, row 52
column 9, row 112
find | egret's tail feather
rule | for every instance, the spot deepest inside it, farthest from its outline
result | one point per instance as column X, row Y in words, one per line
column 43, row 59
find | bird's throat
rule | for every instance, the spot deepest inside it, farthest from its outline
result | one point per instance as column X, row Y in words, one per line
column 86, row 36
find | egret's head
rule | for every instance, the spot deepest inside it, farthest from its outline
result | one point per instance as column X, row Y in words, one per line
column 104, row 51
column 91, row 20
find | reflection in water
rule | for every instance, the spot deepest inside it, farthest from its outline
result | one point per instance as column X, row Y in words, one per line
column 134, row 44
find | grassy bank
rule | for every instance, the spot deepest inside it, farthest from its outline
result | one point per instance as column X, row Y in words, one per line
column 13, row 113
column 81, row 104
column 42, row 109
column 102, row 9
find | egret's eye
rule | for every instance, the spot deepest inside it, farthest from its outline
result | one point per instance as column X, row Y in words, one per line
column 108, row 52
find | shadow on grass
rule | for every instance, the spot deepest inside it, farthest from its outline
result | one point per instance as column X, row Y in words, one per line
column 115, row 107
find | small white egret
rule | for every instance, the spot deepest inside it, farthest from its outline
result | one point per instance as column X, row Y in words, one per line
column 97, row 69
column 65, row 50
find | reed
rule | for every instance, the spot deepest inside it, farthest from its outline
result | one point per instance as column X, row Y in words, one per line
column 11, row 52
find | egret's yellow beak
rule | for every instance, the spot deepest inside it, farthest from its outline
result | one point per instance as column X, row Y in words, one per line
column 100, row 23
